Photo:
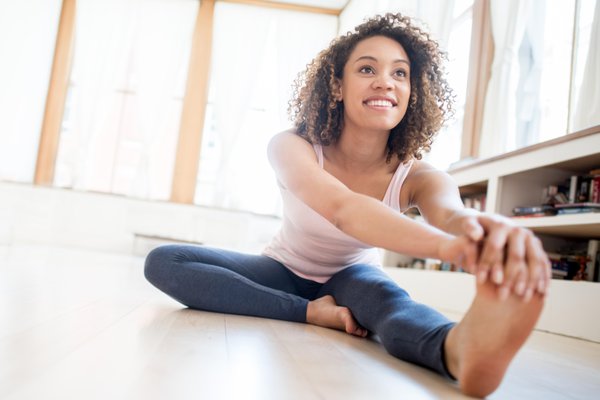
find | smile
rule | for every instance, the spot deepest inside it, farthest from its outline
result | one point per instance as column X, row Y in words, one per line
column 379, row 103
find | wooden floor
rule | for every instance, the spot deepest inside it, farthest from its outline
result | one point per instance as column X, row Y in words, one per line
column 78, row 324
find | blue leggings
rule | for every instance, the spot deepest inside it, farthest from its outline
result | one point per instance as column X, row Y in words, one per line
column 228, row 282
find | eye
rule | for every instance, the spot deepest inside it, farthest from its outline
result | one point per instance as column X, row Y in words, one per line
column 401, row 73
column 366, row 70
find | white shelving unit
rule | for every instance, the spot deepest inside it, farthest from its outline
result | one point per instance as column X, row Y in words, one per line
column 517, row 179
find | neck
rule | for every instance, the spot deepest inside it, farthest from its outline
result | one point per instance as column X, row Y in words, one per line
column 360, row 149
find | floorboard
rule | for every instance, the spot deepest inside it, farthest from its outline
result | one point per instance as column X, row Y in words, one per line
column 79, row 324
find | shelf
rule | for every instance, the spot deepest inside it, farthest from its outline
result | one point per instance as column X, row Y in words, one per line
column 586, row 225
column 568, row 309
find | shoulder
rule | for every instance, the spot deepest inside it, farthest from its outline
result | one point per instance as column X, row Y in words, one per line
column 421, row 169
column 423, row 178
column 289, row 143
column 291, row 156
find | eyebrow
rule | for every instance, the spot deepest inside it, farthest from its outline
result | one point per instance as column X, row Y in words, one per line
column 402, row 60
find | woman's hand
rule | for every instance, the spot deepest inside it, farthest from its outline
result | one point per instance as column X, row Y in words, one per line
column 459, row 250
column 511, row 256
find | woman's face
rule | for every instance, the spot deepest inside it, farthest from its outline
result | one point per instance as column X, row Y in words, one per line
column 375, row 87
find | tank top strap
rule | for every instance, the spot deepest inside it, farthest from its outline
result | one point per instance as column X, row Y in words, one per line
column 392, row 195
column 319, row 152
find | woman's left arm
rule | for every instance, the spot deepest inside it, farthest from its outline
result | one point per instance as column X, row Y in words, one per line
column 511, row 256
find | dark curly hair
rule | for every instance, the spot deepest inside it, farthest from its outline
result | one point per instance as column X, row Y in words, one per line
column 318, row 117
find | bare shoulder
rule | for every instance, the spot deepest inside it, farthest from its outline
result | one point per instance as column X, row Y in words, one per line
column 422, row 181
column 297, row 169
column 423, row 170
column 293, row 159
column 287, row 142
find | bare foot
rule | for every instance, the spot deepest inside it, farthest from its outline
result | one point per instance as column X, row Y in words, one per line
column 326, row 313
column 481, row 346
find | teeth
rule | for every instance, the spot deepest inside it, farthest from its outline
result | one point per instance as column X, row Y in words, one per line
column 379, row 103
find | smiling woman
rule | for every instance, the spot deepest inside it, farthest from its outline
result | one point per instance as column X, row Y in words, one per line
column 365, row 109
column 418, row 63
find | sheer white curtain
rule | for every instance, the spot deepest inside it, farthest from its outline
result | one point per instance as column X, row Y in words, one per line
column 587, row 111
column 257, row 54
column 27, row 39
column 531, row 57
column 509, row 18
column 122, row 116
column 239, row 38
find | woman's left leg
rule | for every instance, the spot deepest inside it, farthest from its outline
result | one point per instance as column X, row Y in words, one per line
column 408, row 330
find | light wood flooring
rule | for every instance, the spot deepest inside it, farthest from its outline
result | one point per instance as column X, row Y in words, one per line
column 77, row 324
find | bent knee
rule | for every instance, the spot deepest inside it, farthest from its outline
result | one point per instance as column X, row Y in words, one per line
column 158, row 261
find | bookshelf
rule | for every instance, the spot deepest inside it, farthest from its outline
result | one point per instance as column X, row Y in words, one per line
column 517, row 179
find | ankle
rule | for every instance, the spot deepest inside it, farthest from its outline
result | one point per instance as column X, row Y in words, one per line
column 310, row 312
column 451, row 352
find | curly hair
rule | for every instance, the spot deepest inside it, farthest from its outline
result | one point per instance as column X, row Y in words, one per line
column 318, row 117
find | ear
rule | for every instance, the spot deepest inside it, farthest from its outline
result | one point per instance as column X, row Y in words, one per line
column 337, row 90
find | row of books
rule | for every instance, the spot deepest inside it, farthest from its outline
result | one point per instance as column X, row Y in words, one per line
column 585, row 188
column 577, row 265
column 431, row 264
column 476, row 201
column 579, row 194
column 556, row 209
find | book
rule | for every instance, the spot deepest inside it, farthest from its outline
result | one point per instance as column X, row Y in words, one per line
column 595, row 190
column 534, row 211
column 592, row 260
column 578, row 205
column 578, row 210
column 583, row 189
column 568, row 266
column 573, row 189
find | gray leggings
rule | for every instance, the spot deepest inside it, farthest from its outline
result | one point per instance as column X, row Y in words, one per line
column 228, row 282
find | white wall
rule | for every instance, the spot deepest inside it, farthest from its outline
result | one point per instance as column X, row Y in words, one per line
column 41, row 215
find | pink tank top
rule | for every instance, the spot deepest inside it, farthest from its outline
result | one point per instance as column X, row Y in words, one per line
column 312, row 247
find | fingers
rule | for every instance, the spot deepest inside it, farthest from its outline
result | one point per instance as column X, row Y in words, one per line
column 473, row 229
column 470, row 257
column 513, row 258
column 492, row 254
column 516, row 277
column 539, row 265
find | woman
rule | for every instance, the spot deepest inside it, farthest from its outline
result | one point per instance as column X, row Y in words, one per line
column 365, row 110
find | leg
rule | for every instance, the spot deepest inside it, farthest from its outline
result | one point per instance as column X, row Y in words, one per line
column 408, row 330
column 477, row 350
column 482, row 345
column 228, row 282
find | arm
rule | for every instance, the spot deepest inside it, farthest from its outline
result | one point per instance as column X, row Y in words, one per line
column 511, row 256
column 357, row 215
column 436, row 196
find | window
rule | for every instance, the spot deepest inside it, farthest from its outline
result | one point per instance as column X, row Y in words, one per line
column 540, row 82
column 121, row 120
column 257, row 54
column 27, row 39
column 446, row 146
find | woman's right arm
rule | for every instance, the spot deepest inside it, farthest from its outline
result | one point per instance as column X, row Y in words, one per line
column 360, row 216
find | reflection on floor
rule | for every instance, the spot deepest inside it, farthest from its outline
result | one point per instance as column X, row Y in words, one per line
column 77, row 324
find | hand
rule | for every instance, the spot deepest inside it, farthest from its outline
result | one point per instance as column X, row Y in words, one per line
column 511, row 256
column 459, row 250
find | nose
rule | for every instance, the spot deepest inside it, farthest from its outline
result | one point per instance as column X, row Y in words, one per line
column 383, row 81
